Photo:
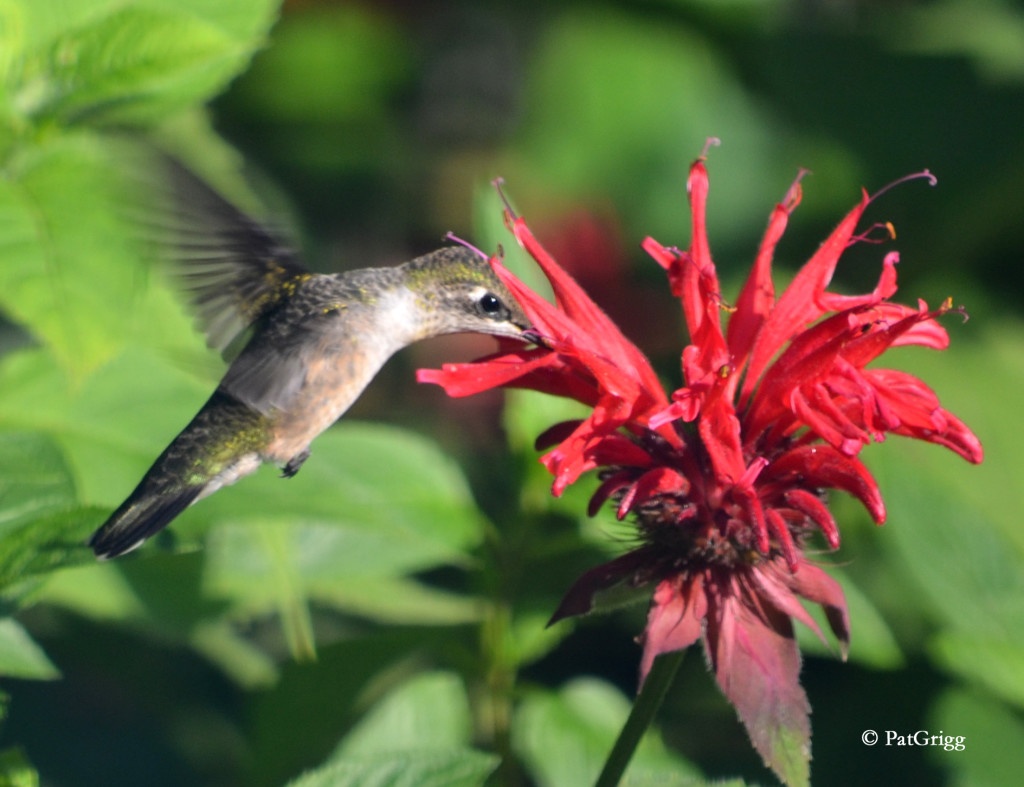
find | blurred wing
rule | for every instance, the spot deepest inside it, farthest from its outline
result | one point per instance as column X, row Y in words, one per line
column 266, row 377
column 310, row 330
column 233, row 269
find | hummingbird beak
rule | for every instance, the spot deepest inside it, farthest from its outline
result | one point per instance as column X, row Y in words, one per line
column 533, row 336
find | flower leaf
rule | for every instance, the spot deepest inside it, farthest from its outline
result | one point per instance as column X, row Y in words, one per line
column 758, row 669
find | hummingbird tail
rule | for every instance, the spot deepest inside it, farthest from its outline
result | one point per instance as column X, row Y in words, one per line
column 143, row 514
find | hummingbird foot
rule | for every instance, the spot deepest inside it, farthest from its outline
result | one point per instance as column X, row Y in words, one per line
column 294, row 464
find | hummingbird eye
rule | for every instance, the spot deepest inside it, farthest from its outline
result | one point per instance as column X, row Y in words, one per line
column 491, row 304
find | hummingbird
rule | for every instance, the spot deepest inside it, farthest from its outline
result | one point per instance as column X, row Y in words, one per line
column 311, row 343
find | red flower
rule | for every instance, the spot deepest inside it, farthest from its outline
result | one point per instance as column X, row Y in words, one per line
column 725, row 479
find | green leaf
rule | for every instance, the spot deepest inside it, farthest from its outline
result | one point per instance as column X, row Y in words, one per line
column 371, row 506
column 565, row 737
column 249, row 666
column 378, row 486
column 131, row 63
column 34, row 480
column 347, row 676
column 991, row 737
column 20, row 656
column 97, row 590
column 635, row 142
column 429, row 712
column 995, row 662
column 41, row 527
column 953, row 533
column 71, row 272
column 112, row 426
column 15, row 770
column 360, row 58
column 452, row 768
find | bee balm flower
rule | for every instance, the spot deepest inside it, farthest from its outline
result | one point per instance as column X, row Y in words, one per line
column 725, row 478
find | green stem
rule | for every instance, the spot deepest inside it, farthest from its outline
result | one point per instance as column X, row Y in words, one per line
column 662, row 673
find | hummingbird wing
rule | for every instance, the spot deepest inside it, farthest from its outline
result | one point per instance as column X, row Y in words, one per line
column 234, row 269
column 317, row 325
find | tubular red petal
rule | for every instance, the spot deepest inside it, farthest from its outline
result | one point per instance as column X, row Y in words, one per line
column 798, row 305
column 811, row 505
column 591, row 323
column 825, row 466
column 465, row 379
column 660, row 480
column 757, row 298
column 778, row 527
column 607, row 488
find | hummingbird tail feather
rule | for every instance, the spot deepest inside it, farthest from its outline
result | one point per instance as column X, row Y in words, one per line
column 142, row 515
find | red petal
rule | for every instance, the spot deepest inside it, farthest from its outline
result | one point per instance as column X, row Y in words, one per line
column 778, row 526
column 917, row 408
column 811, row 505
column 720, row 431
column 465, row 379
column 824, row 466
column 607, row 488
column 592, row 326
column 816, row 586
column 799, row 304
column 675, row 620
column 657, row 480
column 579, row 599
column 757, row 298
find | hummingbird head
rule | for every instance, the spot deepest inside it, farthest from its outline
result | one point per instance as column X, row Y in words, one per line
column 460, row 293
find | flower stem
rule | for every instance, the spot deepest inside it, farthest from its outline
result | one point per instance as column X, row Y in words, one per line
column 663, row 672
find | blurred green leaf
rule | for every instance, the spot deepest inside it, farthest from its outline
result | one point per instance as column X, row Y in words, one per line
column 96, row 590
column 78, row 280
column 236, row 655
column 333, row 73
column 428, row 712
column 34, row 479
column 629, row 86
column 15, row 770
column 20, row 656
column 373, row 500
column 41, row 525
column 373, row 505
column 995, row 662
column 113, row 425
column 347, row 677
column 109, row 62
column 452, row 768
column 565, row 737
column 530, row 637
column 954, row 529
column 355, row 52
column 988, row 31
column 991, row 735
